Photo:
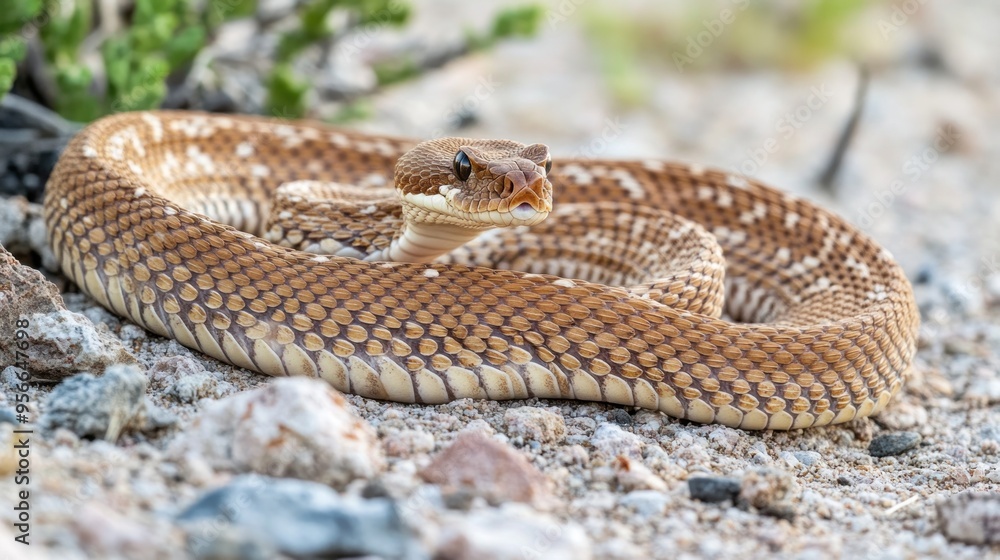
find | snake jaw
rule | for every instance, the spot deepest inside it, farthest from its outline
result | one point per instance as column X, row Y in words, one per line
column 523, row 212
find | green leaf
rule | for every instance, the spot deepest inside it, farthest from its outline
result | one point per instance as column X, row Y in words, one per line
column 18, row 14
column 13, row 47
column 385, row 12
column 353, row 112
column 313, row 17
column 291, row 44
column 145, row 86
column 220, row 11
column 79, row 107
column 8, row 71
column 63, row 35
column 115, row 52
column 79, row 24
column 395, row 70
column 520, row 21
column 73, row 78
column 163, row 27
column 182, row 48
column 286, row 93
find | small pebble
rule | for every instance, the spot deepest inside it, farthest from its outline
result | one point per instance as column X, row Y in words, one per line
column 375, row 489
column 807, row 458
column 461, row 499
column 621, row 417
column 893, row 444
column 714, row 489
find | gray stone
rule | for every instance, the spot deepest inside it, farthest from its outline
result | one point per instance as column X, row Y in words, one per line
column 621, row 417
column 886, row 445
column 7, row 416
column 807, row 458
column 98, row 407
column 714, row 489
column 299, row 518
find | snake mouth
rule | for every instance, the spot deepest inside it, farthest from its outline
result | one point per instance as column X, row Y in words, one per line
column 523, row 212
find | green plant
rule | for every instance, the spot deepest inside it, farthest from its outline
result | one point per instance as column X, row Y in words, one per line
column 287, row 91
column 61, row 39
column 160, row 39
column 16, row 23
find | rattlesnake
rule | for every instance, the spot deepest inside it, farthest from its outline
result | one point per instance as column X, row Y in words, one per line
column 820, row 321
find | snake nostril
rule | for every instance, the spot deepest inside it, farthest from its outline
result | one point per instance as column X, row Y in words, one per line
column 508, row 186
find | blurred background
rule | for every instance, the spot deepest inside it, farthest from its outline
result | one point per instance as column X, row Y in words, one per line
column 884, row 110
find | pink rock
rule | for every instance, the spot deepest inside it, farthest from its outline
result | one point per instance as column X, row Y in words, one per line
column 489, row 469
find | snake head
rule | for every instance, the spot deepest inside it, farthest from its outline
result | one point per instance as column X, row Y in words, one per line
column 476, row 184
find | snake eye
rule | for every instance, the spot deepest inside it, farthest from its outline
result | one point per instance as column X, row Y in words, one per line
column 463, row 167
column 548, row 165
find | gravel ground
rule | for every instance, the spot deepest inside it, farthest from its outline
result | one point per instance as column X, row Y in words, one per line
column 583, row 480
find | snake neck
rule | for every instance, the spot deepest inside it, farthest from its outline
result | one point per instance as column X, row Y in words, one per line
column 422, row 243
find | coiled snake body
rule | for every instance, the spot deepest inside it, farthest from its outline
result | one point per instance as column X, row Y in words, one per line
column 136, row 210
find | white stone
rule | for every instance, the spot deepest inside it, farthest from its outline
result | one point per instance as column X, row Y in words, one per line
column 294, row 427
